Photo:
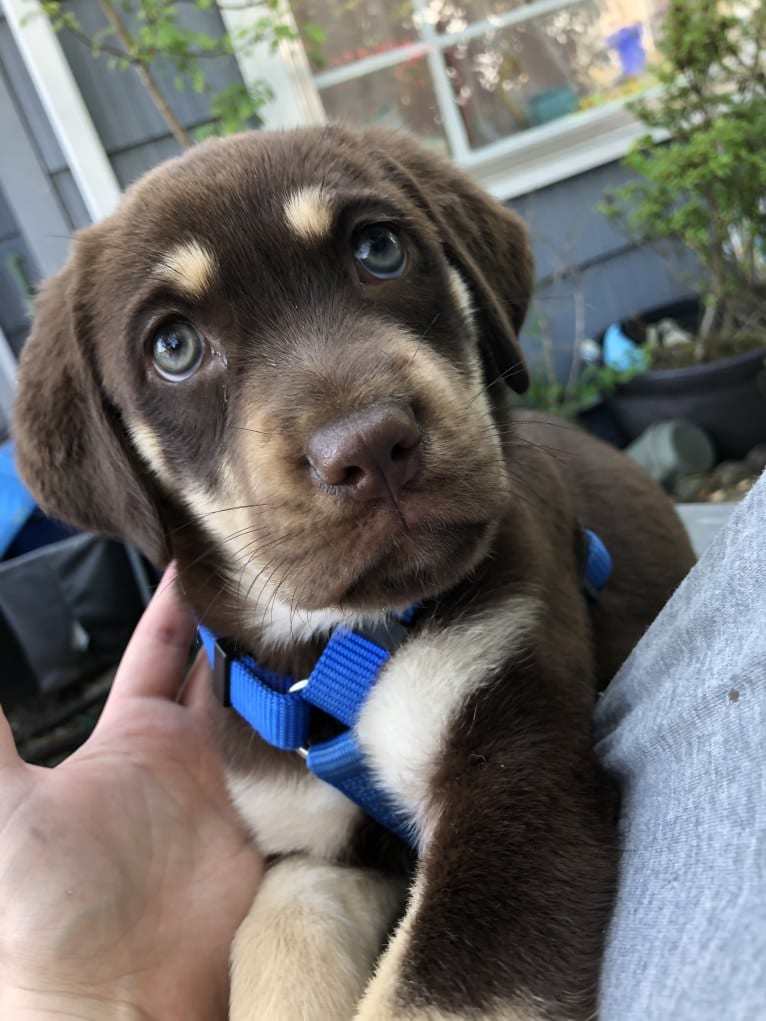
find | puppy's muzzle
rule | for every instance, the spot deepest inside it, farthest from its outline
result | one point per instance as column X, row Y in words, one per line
column 368, row 455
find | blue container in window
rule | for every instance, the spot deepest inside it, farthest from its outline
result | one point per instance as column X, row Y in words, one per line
column 551, row 104
column 630, row 49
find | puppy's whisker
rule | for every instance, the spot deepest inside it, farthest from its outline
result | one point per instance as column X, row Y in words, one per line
column 185, row 568
column 249, row 429
column 523, row 488
column 281, row 537
column 552, row 422
column 222, row 510
column 253, row 531
column 212, row 548
column 518, row 369
column 513, row 431
column 421, row 341
column 245, row 506
column 247, row 555
column 273, row 600
column 266, row 582
column 212, row 600
column 253, row 583
column 226, row 539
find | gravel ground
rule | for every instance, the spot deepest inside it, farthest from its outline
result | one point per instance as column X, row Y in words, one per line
column 49, row 726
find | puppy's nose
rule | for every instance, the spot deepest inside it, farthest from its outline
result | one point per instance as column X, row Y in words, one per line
column 369, row 455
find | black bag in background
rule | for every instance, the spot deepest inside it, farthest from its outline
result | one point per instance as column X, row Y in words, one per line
column 68, row 601
column 67, row 611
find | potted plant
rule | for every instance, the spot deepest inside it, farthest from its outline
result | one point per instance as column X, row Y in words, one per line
column 701, row 182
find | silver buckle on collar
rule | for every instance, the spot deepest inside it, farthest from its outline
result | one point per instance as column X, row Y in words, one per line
column 299, row 686
column 221, row 673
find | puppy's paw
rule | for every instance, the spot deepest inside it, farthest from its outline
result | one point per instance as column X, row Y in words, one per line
column 308, row 946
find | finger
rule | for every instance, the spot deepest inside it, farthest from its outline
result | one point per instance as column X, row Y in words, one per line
column 8, row 754
column 154, row 663
column 197, row 690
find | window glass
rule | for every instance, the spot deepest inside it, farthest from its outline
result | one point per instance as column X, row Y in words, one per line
column 540, row 70
column 396, row 97
column 353, row 29
column 502, row 78
column 451, row 16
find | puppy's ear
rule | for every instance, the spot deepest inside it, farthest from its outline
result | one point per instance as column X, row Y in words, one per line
column 486, row 242
column 70, row 445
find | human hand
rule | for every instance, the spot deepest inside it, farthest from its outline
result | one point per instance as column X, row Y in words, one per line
column 124, row 872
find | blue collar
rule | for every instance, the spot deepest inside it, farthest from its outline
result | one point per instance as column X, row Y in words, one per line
column 279, row 708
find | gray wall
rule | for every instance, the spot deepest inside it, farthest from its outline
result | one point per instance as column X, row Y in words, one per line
column 13, row 250
column 579, row 255
column 131, row 129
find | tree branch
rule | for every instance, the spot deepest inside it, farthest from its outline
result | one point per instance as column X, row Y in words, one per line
column 144, row 72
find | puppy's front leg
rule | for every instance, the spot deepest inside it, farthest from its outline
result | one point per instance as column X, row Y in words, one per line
column 515, row 886
column 307, row 947
column 395, row 994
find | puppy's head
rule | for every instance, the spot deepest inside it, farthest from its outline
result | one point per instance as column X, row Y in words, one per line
column 278, row 362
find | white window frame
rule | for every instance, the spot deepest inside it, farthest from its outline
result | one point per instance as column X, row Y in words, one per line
column 513, row 166
column 8, row 372
column 63, row 103
column 296, row 99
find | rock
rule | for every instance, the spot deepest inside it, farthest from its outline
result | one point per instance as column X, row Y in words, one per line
column 671, row 449
column 672, row 334
column 729, row 473
column 756, row 459
column 689, row 488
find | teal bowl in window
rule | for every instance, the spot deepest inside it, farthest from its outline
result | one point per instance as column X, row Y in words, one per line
column 550, row 105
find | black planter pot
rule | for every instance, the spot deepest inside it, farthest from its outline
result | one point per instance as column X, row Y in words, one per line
column 726, row 398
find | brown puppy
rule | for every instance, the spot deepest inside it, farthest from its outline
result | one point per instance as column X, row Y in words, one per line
column 283, row 362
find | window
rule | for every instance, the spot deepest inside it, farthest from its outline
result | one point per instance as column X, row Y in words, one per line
column 508, row 89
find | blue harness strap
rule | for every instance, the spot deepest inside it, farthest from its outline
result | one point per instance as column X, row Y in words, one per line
column 598, row 565
column 340, row 762
column 344, row 674
column 262, row 697
column 280, row 708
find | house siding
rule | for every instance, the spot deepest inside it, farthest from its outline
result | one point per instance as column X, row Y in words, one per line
column 14, row 320
column 132, row 130
column 581, row 258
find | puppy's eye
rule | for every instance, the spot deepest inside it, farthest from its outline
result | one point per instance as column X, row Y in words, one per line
column 177, row 350
column 379, row 252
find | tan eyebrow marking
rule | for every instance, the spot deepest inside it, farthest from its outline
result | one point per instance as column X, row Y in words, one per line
column 308, row 213
column 188, row 266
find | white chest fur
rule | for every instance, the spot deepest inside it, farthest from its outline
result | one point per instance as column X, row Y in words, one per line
column 405, row 721
column 293, row 812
